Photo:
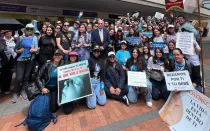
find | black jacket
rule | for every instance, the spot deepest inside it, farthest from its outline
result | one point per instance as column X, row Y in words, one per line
column 114, row 76
column 44, row 74
column 92, row 64
column 193, row 71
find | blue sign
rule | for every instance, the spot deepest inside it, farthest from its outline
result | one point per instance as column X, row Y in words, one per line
column 158, row 44
column 133, row 40
column 147, row 34
column 76, row 13
column 12, row 8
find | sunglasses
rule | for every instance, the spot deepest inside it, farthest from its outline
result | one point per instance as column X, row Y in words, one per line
column 66, row 25
column 111, row 56
column 96, row 51
column 29, row 28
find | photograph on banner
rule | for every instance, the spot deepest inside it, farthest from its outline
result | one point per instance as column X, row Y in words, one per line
column 184, row 41
column 186, row 111
column 159, row 15
column 133, row 40
column 73, row 82
column 178, row 80
column 137, row 79
column 162, row 45
column 147, row 34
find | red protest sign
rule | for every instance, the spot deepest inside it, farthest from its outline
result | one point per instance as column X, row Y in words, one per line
column 174, row 4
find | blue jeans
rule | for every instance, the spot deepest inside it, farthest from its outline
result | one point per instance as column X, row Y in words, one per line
column 199, row 88
column 66, row 58
column 133, row 93
column 96, row 97
column 159, row 88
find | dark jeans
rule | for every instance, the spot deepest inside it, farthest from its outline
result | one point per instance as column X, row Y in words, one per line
column 53, row 94
column 6, row 75
column 119, row 97
column 23, row 73
column 43, row 59
column 159, row 89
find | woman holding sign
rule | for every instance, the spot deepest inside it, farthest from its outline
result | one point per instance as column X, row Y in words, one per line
column 180, row 64
column 157, row 65
column 46, row 81
column 137, row 63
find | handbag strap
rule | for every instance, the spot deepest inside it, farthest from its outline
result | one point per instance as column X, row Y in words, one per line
column 67, row 39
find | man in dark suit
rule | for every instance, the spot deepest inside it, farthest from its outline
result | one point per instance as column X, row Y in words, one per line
column 101, row 37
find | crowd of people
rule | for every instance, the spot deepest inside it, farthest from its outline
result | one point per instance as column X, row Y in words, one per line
column 109, row 53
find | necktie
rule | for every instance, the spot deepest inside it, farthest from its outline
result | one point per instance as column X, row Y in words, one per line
column 101, row 35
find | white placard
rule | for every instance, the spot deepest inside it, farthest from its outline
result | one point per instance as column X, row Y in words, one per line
column 156, row 67
column 187, row 111
column 178, row 80
column 159, row 15
column 184, row 41
column 137, row 79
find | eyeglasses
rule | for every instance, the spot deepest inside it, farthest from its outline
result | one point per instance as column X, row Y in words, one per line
column 66, row 25
column 29, row 28
column 57, row 28
column 100, row 23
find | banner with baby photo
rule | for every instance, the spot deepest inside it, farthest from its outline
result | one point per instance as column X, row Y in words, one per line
column 162, row 45
column 187, row 111
column 73, row 82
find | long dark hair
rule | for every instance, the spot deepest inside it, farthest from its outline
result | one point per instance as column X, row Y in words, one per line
column 140, row 60
column 163, row 58
column 148, row 51
column 79, row 33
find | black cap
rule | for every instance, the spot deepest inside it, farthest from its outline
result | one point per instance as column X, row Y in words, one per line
column 96, row 47
column 58, row 51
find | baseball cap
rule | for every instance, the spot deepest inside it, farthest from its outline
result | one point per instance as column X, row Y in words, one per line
column 58, row 51
column 123, row 42
column 111, row 53
column 36, row 32
column 73, row 53
column 30, row 26
column 96, row 47
column 170, row 26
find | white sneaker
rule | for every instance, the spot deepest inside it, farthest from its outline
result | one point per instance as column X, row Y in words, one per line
column 149, row 104
column 126, row 100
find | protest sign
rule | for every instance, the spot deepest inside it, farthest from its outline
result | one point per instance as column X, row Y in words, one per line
column 156, row 67
column 184, row 41
column 170, row 4
column 73, row 82
column 132, row 40
column 162, row 45
column 147, row 34
column 137, row 79
column 159, row 15
column 178, row 80
column 186, row 111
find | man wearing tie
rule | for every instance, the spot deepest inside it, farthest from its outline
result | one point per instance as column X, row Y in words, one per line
column 101, row 37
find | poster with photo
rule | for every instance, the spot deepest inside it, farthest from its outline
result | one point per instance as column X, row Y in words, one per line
column 73, row 82
column 187, row 111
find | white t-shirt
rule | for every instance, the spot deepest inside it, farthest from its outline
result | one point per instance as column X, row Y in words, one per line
column 194, row 59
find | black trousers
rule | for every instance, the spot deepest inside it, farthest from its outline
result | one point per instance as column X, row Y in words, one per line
column 42, row 59
column 53, row 94
column 23, row 72
column 119, row 97
column 6, row 75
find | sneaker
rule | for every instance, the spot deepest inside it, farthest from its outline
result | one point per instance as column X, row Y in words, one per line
column 6, row 92
column 23, row 95
column 149, row 104
column 14, row 98
column 125, row 98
